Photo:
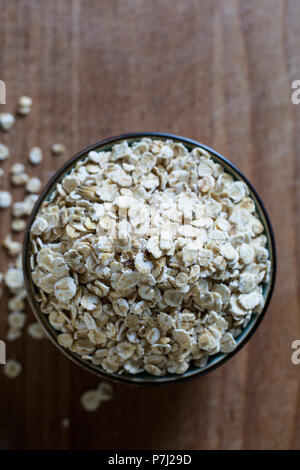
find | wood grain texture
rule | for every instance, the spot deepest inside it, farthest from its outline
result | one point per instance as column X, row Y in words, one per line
column 219, row 72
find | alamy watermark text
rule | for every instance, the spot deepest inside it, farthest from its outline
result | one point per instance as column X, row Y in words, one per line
column 2, row 92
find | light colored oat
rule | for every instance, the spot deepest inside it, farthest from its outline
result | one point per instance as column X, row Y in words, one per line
column 65, row 340
column 14, row 278
column 24, row 105
column 13, row 334
column 65, row 423
column 57, row 320
column 19, row 179
column 35, row 331
column 65, row 289
column 4, row 152
column 24, row 208
column 29, row 203
column 35, row 155
column 251, row 300
column 227, row 343
column 58, row 149
column 148, row 257
column 33, row 185
column 106, row 391
column 5, row 199
column 25, row 101
column 19, row 209
column 18, row 225
column 89, row 301
column 17, row 168
column 16, row 303
column 12, row 247
column 12, row 368
column 7, row 121
column 152, row 369
column 91, row 400
column 16, row 320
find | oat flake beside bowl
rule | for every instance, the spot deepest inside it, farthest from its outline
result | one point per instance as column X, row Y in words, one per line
column 148, row 258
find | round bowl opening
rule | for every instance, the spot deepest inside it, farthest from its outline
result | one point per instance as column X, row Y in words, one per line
column 144, row 378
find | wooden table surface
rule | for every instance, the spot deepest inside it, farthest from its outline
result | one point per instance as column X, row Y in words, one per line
column 216, row 71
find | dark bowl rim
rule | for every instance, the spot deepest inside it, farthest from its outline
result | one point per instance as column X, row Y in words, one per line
column 26, row 268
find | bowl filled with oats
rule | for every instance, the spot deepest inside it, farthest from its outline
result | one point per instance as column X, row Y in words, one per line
column 149, row 258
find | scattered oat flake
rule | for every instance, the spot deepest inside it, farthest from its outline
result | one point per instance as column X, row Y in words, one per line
column 5, row 199
column 35, row 331
column 58, row 149
column 24, row 105
column 7, row 121
column 106, row 391
column 14, row 278
column 18, row 225
column 33, row 185
column 16, row 303
column 65, row 423
column 4, row 152
column 19, row 179
column 12, row 247
column 35, row 155
column 16, row 319
column 12, row 368
column 17, row 168
column 91, row 400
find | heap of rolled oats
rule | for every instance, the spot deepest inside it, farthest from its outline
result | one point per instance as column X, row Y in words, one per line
column 149, row 257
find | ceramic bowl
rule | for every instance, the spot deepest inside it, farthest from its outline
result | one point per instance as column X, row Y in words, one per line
column 144, row 378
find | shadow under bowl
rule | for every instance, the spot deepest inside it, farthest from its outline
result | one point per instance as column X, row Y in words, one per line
column 145, row 378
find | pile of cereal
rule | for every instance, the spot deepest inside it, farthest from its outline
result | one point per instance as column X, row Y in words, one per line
column 149, row 257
